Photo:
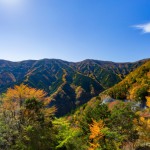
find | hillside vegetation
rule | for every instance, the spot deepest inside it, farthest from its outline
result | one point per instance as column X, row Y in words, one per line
column 68, row 84
column 135, row 86
column 28, row 118
column 116, row 125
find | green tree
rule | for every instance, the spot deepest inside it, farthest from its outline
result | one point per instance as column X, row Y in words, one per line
column 68, row 137
column 121, row 122
column 26, row 120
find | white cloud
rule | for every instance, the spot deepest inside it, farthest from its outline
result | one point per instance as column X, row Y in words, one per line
column 144, row 27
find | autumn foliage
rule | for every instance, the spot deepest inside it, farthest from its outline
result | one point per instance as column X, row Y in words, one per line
column 96, row 133
column 28, row 120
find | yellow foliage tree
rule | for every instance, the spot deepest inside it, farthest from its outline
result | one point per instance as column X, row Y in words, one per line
column 143, row 127
column 96, row 134
column 26, row 118
column 22, row 92
column 14, row 97
column 14, row 100
column 148, row 101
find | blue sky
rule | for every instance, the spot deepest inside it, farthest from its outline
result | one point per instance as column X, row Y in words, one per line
column 73, row 30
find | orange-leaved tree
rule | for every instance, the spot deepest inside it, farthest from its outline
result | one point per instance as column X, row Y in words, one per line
column 25, row 112
column 96, row 134
column 148, row 101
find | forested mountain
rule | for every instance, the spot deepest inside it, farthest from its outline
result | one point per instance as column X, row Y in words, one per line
column 68, row 84
column 107, row 73
column 26, row 121
column 135, row 86
column 116, row 124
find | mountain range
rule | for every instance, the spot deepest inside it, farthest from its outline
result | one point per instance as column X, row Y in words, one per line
column 68, row 84
column 133, row 89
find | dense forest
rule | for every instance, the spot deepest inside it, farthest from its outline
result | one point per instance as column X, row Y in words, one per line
column 33, row 116
column 68, row 84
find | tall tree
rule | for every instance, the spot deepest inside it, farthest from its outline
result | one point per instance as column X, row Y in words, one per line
column 26, row 120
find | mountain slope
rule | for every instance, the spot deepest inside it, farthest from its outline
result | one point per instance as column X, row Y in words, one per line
column 105, row 72
column 135, row 86
column 68, row 84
